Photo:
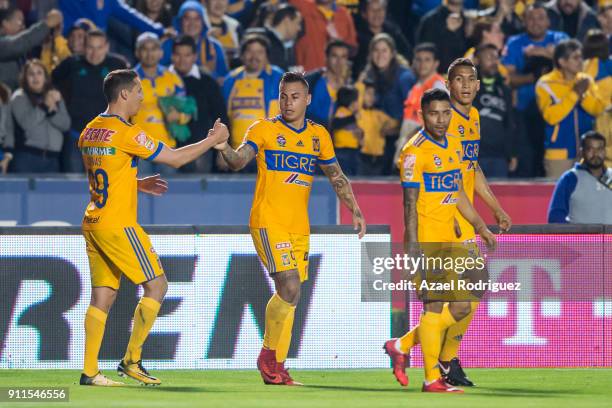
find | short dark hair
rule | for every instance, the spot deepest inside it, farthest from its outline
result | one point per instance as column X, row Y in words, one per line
column 347, row 94
column 564, row 49
column 185, row 41
column 485, row 47
column 595, row 45
column 591, row 135
column 459, row 62
column 292, row 76
column 284, row 11
column 253, row 38
column 96, row 32
column 7, row 13
column 433, row 94
column 538, row 5
column 427, row 47
column 116, row 81
column 335, row 44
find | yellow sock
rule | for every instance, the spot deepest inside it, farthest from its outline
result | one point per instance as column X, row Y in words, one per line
column 431, row 330
column 276, row 314
column 144, row 317
column 284, row 342
column 409, row 340
column 95, row 322
column 454, row 334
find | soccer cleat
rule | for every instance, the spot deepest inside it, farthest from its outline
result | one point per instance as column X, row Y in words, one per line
column 287, row 380
column 137, row 372
column 453, row 373
column 440, row 386
column 266, row 364
column 398, row 361
column 99, row 380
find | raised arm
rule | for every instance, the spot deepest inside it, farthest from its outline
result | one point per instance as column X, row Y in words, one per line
column 481, row 185
column 343, row 189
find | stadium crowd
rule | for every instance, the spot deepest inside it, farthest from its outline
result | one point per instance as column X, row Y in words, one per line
column 545, row 72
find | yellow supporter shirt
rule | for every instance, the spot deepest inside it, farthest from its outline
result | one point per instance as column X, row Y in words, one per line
column 111, row 148
column 286, row 160
column 344, row 138
column 466, row 129
column 435, row 169
column 373, row 122
column 150, row 116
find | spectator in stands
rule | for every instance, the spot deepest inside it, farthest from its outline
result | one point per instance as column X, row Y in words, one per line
column 393, row 80
column 425, row 66
column 16, row 42
column 207, row 94
column 78, row 34
column 323, row 22
column 569, row 101
column 158, row 11
column 79, row 78
column 574, row 17
column 505, row 13
column 243, row 10
column 486, row 31
column 376, row 125
column 227, row 30
column 251, row 91
column 497, row 154
column 55, row 49
column 325, row 82
column 604, row 16
column 346, row 135
column 445, row 27
column 371, row 21
column 157, row 82
column 40, row 118
column 598, row 65
column 5, row 127
column 282, row 32
column 100, row 11
column 527, row 57
column 191, row 21
column 583, row 195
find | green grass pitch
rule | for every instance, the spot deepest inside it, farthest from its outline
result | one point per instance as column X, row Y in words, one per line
column 522, row 388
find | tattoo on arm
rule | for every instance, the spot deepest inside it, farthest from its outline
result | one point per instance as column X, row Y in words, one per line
column 342, row 186
column 411, row 220
column 238, row 159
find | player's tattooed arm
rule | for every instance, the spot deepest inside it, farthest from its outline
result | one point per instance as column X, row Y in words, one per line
column 469, row 213
column 481, row 186
column 239, row 158
column 411, row 218
column 342, row 186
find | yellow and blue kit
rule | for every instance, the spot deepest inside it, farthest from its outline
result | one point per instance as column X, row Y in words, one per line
column 466, row 129
column 116, row 244
column 286, row 160
column 435, row 169
column 249, row 99
column 150, row 116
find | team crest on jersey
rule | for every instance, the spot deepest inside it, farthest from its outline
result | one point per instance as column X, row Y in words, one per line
column 409, row 162
column 143, row 140
column 280, row 140
column 461, row 130
column 316, row 144
column 437, row 161
column 286, row 259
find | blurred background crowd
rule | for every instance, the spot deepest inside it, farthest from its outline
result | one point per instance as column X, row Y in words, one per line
column 545, row 72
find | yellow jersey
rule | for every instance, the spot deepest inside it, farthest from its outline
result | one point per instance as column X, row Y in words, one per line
column 373, row 122
column 466, row 129
column 286, row 159
column 111, row 148
column 150, row 116
column 435, row 169
column 343, row 138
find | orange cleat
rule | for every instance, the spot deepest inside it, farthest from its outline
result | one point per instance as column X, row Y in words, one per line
column 266, row 364
column 441, row 386
column 398, row 361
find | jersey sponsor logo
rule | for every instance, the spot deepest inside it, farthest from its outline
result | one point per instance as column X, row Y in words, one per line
column 442, row 182
column 244, row 103
column 449, row 199
column 143, row 140
column 470, row 149
column 98, row 135
column 98, row 151
column 316, row 145
column 91, row 220
column 408, row 164
column 437, row 161
column 281, row 141
column 283, row 245
column 294, row 179
column 279, row 160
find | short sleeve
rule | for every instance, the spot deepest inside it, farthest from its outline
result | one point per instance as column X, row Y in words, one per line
column 327, row 155
column 411, row 172
column 137, row 142
column 513, row 54
column 254, row 135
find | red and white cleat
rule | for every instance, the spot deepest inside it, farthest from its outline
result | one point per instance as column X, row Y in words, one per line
column 398, row 361
column 441, row 386
column 287, row 380
column 266, row 364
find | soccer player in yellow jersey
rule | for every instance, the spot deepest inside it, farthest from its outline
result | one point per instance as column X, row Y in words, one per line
column 287, row 149
column 430, row 168
column 116, row 245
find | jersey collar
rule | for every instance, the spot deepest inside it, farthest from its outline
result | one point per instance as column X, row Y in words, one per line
column 303, row 128
column 444, row 145
column 112, row 115
column 460, row 113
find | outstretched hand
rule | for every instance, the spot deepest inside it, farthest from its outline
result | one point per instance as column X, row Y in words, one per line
column 153, row 185
column 219, row 134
